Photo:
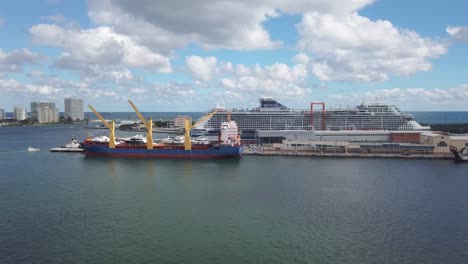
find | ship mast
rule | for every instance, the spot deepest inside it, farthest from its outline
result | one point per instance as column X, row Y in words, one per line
column 148, row 124
column 110, row 126
column 187, row 142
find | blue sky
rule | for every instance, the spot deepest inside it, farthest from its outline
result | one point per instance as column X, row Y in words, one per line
column 181, row 56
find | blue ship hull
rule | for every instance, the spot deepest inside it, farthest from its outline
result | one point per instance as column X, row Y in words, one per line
column 220, row 151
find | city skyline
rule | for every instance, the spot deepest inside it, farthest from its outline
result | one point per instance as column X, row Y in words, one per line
column 180, row 57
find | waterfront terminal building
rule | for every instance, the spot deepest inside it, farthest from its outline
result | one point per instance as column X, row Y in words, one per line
column 361, row 141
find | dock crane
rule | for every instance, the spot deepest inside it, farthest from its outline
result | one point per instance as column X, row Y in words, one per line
column 110, row 126
column 148, row 124
column 187, row 142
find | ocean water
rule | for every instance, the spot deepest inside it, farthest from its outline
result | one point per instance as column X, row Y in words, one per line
column 440, row 117
column 66, row 208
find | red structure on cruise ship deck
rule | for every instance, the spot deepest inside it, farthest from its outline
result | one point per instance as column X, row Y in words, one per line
column 312, row 113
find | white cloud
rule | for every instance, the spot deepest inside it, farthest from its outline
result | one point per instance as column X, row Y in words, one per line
column 212, row 24
column 177, row 96
column 104, row 93
column 227, row 24
column 174, row 90
column 200, row 68
column 336, row 42
column 301, row 59
column 281, row 71
column 13, row 61
column 35, row 73
column 42, row 89
column 354, row 48
column 59, row 18
column 121, row 75
column 98, row 73
column 242, row 70
column 207, row 68
column 450, row 98
column 58, row 82
column 240, row 81
column 228, row 83
column 97, row 50
column 95, row 93
column 31, row 89
column 52, row 87
column 9, row 85
column 250, row 86
column 322, row 6
column 137, row 90
column 2, row 21
column 458, row 32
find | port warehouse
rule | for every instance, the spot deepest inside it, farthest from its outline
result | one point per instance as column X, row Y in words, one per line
column 359, row 141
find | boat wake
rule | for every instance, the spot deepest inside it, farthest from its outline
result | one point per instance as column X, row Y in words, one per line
column 31, row 149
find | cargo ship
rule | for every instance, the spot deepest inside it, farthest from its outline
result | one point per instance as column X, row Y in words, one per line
column 227, row 146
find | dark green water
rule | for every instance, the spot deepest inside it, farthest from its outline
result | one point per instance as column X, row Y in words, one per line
column 65, row 208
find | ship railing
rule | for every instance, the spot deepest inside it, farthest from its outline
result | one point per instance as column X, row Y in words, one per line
column 289, row 127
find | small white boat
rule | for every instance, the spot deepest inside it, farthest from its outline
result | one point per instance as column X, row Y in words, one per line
column 31, row 149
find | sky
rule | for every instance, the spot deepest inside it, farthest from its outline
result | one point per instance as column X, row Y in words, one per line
column 184, row 55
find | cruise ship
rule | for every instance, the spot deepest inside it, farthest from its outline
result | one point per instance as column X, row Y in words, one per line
column 272, row 115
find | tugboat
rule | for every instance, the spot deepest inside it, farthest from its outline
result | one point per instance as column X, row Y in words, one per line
column 460, row 155
column 72, row 146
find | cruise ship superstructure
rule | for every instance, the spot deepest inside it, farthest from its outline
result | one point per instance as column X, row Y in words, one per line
column 272, row 115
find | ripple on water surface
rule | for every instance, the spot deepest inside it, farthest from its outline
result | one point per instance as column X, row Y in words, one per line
column 65, row 208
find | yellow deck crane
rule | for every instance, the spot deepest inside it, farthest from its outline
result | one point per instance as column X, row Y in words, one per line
column 187, row 142
column 148, row 124
column 110, row 126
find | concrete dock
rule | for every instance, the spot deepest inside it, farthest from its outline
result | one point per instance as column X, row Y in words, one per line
column 346, row 155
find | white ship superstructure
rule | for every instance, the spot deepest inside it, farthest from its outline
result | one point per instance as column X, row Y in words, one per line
column 272, row 115
column 229, row 133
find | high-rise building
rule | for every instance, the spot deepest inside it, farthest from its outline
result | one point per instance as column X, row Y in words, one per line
column 35, row 107
column 2, row 114
column 19, row 113
column 48, row 115
column 74, row 109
